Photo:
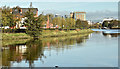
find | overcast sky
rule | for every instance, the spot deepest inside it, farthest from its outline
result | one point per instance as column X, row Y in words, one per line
column 94, row 10
column 59, row 0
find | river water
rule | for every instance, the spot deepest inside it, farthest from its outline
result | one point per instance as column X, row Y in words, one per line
column 97, row 49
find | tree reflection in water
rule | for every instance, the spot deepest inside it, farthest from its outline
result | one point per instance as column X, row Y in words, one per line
column 33, row 50
column 30, row 51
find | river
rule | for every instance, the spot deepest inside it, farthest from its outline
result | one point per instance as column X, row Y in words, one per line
column 97, row 49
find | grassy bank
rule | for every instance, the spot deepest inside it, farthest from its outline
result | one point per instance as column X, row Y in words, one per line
column 57, row 33
column 65, row 40
column 12, row 42
column 15, row 36
column 45, row 33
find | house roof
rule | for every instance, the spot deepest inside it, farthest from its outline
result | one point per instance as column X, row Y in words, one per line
column 18, row 11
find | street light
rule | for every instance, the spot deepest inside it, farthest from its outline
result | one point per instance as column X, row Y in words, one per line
column 62, row 22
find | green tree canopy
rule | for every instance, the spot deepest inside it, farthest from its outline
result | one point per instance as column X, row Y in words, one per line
column 33, row 24
column 70, row 23
column 105, row 24
column 81, row 24
column 7, row 17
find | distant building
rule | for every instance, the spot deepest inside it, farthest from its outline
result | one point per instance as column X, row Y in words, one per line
column 108, row 19
column 67, row 16
column 57, row 15
column 78, row 15
column 90, row 22
column 0, row 17
column 20, row 12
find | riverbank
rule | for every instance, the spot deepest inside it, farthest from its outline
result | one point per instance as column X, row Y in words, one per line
column 45, row 41
column 45, row 33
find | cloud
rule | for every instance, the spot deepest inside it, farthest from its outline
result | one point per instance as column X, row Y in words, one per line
column 59, row 0
column 100, row 15
column 94, row 16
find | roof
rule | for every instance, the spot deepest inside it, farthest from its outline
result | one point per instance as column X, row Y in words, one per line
column 80, row 12
column 17, row 11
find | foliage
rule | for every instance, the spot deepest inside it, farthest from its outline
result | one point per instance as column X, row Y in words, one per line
column 8, row 30
column 50, row 17
column 110, row 24
column 7, row 17
column 105, row 24
column 67, row 23
column 97, row 25
column 33, row 24
column 81, row 24
column 70, row 23
column 57, row 21
column 34, row 50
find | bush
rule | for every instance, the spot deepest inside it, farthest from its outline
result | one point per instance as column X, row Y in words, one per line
column 9, row 30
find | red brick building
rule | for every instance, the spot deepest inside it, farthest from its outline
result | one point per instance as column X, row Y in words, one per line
column 20, row 12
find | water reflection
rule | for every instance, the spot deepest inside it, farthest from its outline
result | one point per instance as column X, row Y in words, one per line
column 108, row 32
column 33, row 50
column 111, row 34
column 30, row 51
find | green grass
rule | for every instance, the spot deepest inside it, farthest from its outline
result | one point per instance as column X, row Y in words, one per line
column 16, row 38
column 64, row 33
column 12, row 42
column 45, row 33
column 10, row 36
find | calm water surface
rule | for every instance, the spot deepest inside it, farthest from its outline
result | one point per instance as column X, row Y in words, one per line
column 95, row 49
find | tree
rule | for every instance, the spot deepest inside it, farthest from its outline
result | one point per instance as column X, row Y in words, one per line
column 33, row 24
column 57, row 21
column 81, row 24
column 96, row 25
column 105, row 24
column 78, row 24
column 50, row 17
column 18, row 16
column 63, row 23
column 34, row 50
column 114, row 23
column 70, row 23
column 119, row 24
column 84, row 24
column 7, row 17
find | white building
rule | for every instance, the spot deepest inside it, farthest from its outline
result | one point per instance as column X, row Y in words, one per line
column 90, row 22
column 107, row 19
column 57, row 15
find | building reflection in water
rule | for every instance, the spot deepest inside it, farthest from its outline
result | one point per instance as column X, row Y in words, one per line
column 33, row 50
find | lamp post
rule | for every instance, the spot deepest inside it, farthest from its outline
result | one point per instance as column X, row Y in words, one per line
column 62, row 22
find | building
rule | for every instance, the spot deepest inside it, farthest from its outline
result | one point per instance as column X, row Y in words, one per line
column 90, row 22
column 57, row 15
column 20, row 12
column 0, row 17
column 107, row 19
column 78, row 15
column 67, row 16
